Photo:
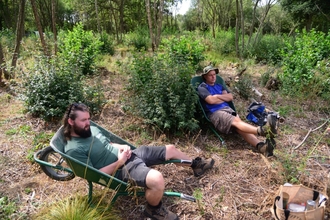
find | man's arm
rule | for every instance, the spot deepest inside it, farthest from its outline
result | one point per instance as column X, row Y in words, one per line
column 214, row 99
column 124, row 154
column 219, row 98
column 109, row 169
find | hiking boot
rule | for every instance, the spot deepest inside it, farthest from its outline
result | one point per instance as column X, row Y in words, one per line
column 200, row 165
column 161, row 213
column 269, row 130
column 267, row 148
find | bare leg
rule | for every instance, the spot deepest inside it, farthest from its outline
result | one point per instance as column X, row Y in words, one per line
column 244, row 127
column 173, row 153
column 155, row 187
column 250, row 138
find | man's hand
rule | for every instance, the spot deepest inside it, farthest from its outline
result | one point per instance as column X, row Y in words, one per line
column 124, row 154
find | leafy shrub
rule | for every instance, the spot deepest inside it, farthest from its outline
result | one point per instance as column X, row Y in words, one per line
column 224, row 42
column 267, row 50
column 51, row 87
column 162, row 93
column 7, row 37
column 7, row 208
column 300, row 62
column 244, row 86
column 107, row 46
column 139, row 39
column 79, row 48
column 185, row 48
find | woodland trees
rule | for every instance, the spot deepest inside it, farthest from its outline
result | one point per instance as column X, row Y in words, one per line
column 251, row 18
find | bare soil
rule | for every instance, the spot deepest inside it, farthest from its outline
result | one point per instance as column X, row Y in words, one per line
column 242, row 184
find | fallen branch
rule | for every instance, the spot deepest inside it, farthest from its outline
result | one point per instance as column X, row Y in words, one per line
column 310, row 130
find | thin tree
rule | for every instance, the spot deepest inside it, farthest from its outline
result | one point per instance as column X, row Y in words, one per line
column 267, row 7
column 37, row 19
column 97, row 17
column 159, row 22
column 211, row 12
column 242, row 24
column 253, row 20
column 152, row 38
column 121, row 19
column 54, row 25
column 237, row 29
column 3, row 70
column 19, row 34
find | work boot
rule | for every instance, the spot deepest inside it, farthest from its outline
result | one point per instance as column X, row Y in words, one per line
column 269, row 130
column 200, row 165
column 267, row 148
column 160, row 213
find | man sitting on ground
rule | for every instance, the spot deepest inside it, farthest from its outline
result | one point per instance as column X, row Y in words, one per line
column 215, row 100
column 87, row 144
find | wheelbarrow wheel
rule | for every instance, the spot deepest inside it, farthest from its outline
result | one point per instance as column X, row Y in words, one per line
column 55, row 159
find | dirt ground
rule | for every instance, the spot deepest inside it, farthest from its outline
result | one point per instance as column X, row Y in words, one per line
column 242, row 184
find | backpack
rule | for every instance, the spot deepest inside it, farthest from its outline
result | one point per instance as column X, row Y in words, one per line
column 257, row 113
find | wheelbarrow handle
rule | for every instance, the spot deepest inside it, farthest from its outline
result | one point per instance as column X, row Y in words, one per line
column 181, row 195
column 188, row 197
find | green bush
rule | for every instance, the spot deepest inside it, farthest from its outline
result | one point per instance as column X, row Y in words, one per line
column 107, row 46
column 7, row 37
column 139, row 39
column 79, row 48
column 244, row 86
column 267, row 50
column 162, row 93
column 185, row 49
column 50, row 87
column 224, row 42
column 303, row 64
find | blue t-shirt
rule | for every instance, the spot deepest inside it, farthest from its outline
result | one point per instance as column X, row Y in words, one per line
column 205, row 90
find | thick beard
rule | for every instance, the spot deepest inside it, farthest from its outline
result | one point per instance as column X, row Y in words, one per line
column 82, row 132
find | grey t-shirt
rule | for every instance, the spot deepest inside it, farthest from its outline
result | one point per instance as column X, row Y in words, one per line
column 95, row 151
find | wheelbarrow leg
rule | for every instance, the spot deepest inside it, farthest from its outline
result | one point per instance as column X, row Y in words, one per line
column 90, row 192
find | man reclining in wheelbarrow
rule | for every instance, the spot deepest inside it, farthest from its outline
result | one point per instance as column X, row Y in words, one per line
column 215, row 102
column 87, row 144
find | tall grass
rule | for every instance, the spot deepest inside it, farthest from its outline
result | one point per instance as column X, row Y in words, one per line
column 77, row 208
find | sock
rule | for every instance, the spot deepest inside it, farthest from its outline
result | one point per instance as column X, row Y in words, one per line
column 258, row 130
column 259, row 145
column 157, row 206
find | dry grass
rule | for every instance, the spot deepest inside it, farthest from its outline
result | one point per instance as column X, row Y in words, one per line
column 242, row 185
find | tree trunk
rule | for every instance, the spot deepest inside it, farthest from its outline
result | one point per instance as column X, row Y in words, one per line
column 97, row 17
column 153, row 43
column 159, row 23
column 41, row 35
column 113, row 14
column 242, row 25
column 253, row 19
column 268, row 5
column 237, row 29
column 54, row 25
column 19, row 34
column 309, row 20
column 121, row 18
column 3, row 69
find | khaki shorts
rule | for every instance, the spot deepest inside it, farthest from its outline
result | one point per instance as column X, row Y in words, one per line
column 222, row 119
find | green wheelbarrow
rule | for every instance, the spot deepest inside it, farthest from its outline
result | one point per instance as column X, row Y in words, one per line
column 60, row 166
